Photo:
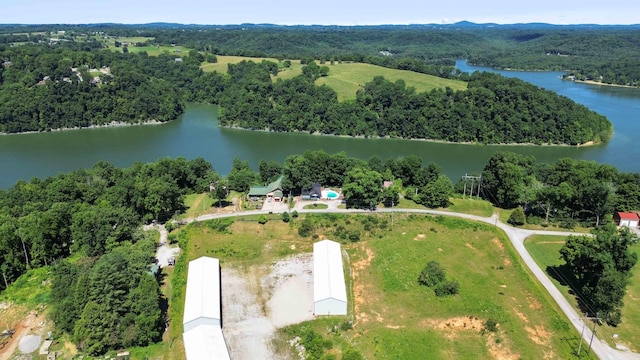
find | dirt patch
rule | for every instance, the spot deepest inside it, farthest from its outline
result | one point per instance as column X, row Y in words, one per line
column 457, row 324
column 538, row 334
column 451, row 327
column 522, row 316
column 500, row 245
column 440, row 250
column 533, row 302
column 469, row 246
column 257, row 300
column 360, row 289
column 541, row 336
column 419, row 237
column 27, row 334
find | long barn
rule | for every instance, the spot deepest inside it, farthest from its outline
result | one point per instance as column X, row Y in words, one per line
column 202, row 319
column 329, row 289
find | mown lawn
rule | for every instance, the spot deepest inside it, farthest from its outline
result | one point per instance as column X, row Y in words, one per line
column 394, row 317
column 545, row 250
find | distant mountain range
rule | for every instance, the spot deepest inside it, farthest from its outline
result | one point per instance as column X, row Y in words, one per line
column 461, row 24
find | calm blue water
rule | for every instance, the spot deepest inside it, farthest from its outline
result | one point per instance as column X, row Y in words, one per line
column 620, row 105
column 196, row 134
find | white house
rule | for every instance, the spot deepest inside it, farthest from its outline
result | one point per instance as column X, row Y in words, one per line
column 626, row 219
column 329, row 289
column 202, row 319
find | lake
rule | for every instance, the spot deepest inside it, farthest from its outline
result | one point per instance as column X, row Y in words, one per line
column 196, row 134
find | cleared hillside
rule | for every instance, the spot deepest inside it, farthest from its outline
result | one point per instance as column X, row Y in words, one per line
column 347, row 77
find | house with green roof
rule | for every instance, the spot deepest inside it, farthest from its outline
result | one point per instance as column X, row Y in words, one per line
column 271, row 191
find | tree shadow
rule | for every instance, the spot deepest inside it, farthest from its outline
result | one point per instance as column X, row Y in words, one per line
column 564, row 276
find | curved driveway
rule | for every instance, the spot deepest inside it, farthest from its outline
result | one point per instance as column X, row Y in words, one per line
column 517, row 237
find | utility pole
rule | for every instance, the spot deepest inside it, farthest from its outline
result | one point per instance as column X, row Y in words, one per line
column 472, row 179
column 584, row 323
column 593, row 331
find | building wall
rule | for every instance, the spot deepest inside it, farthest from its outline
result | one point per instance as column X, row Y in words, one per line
column 200, row 321
column 330, row 307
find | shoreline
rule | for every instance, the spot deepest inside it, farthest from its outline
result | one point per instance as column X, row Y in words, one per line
column 592, row 82
column 112, row 124
column 587, row 144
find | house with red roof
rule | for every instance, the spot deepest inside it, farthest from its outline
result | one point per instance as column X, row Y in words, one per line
column 626, row 219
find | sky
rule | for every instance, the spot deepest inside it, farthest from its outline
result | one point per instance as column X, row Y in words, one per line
column 325, row 12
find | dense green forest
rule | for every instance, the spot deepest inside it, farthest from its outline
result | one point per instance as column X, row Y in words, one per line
column 44, row 87
column 601, row 53
column 493, row 109
column 49, row 87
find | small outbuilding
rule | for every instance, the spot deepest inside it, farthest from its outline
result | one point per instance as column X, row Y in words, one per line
column 329, row 289
column 628, row 219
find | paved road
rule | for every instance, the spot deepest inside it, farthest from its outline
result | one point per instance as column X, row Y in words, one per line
column 517, row 237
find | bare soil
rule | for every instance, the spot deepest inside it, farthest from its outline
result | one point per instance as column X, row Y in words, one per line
column 31, row 327
column 258, row 300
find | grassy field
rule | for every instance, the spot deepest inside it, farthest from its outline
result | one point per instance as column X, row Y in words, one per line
column 347, row 78
column 473, row 207
column 394, row 317
column 224, row 61
column 545, row 251
column 316, row 206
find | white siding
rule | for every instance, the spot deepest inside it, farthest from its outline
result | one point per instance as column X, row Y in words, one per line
column 205, row 342
column 329, row 289
column 202, row 299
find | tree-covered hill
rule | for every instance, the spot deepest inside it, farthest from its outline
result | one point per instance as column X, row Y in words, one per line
column 50, row 87
column 493, row 109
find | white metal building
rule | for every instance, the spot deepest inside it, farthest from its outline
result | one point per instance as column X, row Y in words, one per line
column 329, row 289
column 202, row 319
column 205, row 342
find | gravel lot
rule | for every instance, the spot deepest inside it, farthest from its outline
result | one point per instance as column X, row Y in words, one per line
column 258, row 300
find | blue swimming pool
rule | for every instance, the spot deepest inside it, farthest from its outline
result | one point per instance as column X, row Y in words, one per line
column 332, row 194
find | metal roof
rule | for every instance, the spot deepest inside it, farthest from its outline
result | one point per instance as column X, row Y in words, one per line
column 628, row 216
column 328, row 274
column 205, row 342
column 264, row 190
column 202, row 299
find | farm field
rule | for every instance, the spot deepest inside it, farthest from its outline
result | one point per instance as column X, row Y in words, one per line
column 347, row 78
column 545, row 251
column 391, row 315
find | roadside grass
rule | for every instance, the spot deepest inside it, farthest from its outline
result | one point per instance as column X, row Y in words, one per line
column 503, row 215
column 408, row 204
column 316, row 206
column 347, row 78
column 394, row 316
column 545, row 250
column 473, row 207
